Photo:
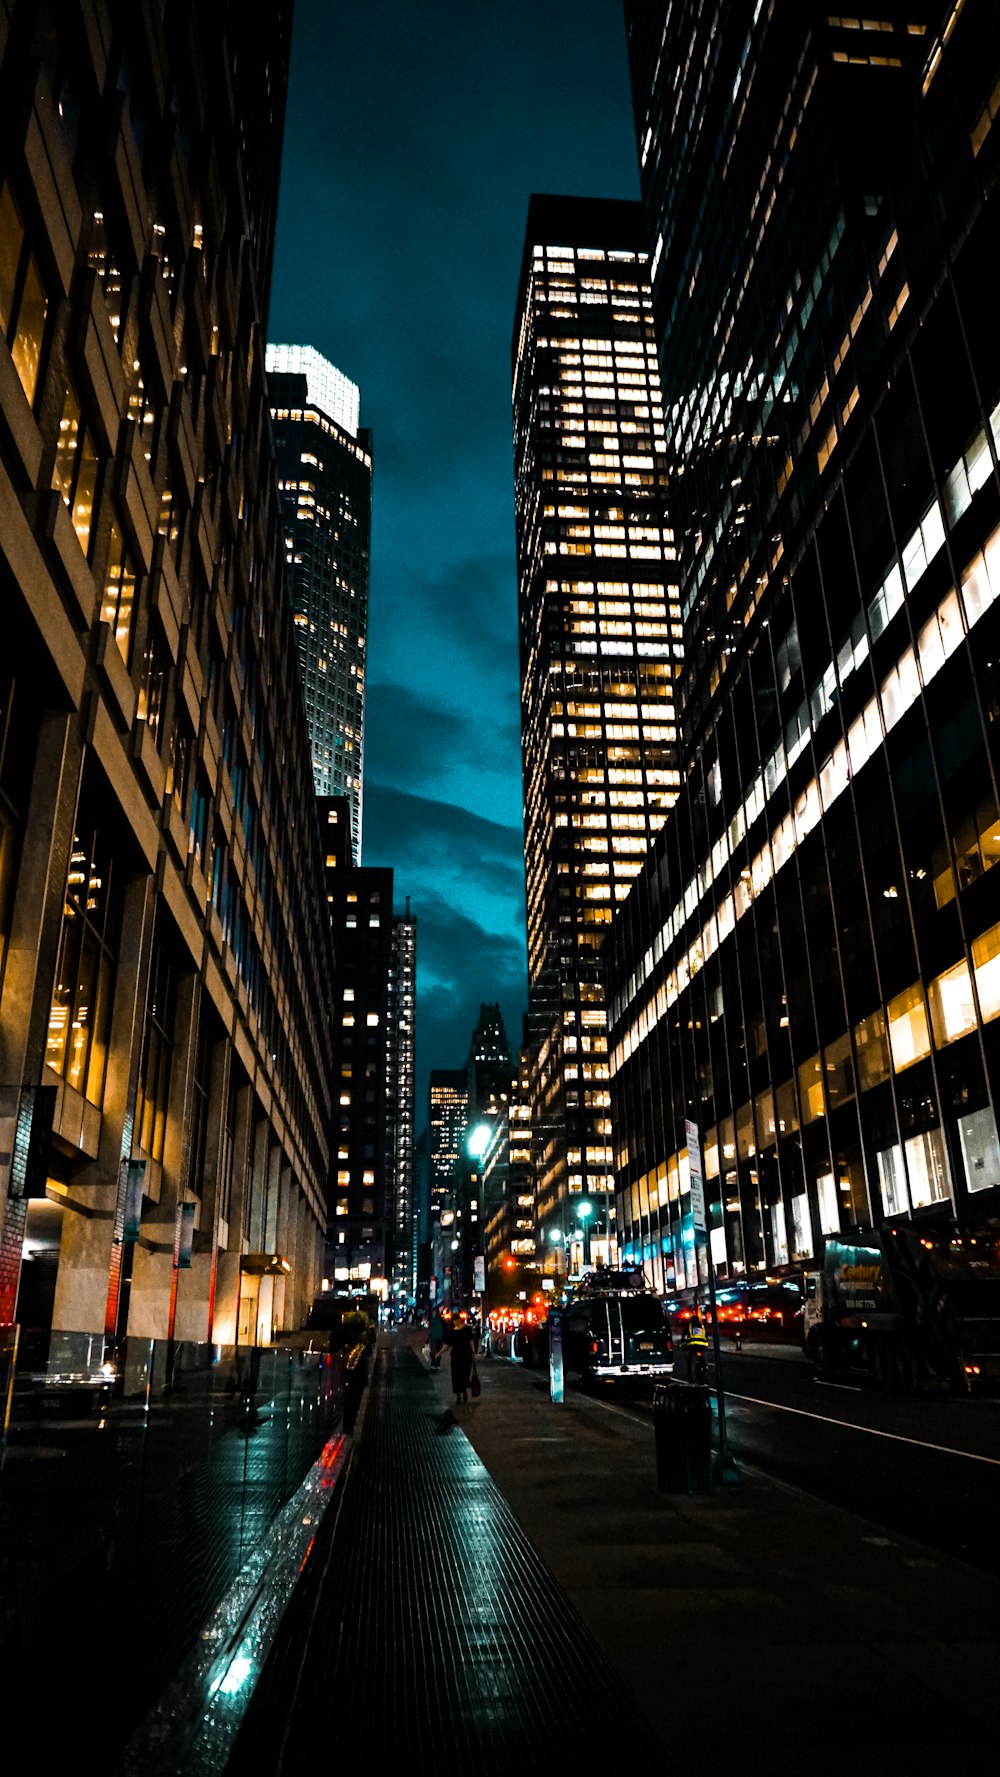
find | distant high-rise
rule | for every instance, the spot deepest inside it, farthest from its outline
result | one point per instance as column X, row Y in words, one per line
column 360, row 903
column 809, row 964
column 600, row 648
column 448, row 1123
column 449, row 1117
column 325, row 475
column 372, row 1231
column 489, row 1067
column 400, row 1069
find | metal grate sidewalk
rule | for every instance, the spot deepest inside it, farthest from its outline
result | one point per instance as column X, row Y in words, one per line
column 426, row 1628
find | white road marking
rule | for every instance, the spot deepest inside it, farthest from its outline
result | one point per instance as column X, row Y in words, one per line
column 871, row 1430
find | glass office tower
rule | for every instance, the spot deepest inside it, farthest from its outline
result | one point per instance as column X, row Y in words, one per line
column 809, row 964
column 325, row 476
column 600, row 647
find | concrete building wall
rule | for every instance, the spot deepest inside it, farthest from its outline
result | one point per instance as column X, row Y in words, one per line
column 165, row 958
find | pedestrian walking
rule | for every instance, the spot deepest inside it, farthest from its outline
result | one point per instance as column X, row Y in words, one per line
column 463, row 1360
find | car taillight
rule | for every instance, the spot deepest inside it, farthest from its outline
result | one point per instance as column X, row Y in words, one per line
column 595, row 1348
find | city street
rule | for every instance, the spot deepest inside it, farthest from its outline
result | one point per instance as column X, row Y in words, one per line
column 926, row 1468
column 763, row 1615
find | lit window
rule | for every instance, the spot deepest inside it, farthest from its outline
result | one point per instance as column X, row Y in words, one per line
column 75, row 470
column 986, row 962
column 23, row 302
column 953, row 1011
column 909, row 1038
column 119, row 591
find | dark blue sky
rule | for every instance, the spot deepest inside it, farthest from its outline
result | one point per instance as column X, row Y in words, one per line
column 415, row 135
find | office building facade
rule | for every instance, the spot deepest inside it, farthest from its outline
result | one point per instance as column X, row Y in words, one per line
column 807, row 966
column 371, row 1230
column 325, row 476
column 164, row 1088
column 599, row 649
column 360, row 911
column 508, row 1195
column 400, row 1100
column 448, row 1121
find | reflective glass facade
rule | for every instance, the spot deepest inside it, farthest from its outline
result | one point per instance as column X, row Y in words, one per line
column 807, row 965
column 599, row 643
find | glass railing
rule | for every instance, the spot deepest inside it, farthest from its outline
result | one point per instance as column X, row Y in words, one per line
column 131, row 1493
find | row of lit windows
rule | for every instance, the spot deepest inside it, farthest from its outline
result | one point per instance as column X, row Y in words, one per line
column 317, row 419
column 937, row 640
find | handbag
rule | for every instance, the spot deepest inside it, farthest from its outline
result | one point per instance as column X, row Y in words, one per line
column 475, row 1386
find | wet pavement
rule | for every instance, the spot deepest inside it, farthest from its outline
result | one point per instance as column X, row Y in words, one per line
column 504, row 1580
column 426, row 1629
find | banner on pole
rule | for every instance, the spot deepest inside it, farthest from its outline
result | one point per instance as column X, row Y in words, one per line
column 697, row 1178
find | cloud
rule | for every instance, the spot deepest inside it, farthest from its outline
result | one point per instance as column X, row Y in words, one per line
column 464, row 603
column 466, row 756
column 459, row 965
column 438, row 844
column 414, row 138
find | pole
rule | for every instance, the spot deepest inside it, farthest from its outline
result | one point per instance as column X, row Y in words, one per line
column 724, row 1468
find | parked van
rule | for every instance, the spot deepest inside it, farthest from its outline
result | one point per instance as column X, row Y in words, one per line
column 613, row 1335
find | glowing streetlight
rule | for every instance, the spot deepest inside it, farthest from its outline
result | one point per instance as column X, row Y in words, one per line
column 477, row 1141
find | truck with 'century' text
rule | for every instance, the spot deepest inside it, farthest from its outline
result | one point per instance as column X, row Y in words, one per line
column 915, row 1306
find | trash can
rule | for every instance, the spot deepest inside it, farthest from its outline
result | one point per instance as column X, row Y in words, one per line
column 682, row 1426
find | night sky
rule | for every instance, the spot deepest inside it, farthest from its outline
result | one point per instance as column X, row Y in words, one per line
column 415, row 136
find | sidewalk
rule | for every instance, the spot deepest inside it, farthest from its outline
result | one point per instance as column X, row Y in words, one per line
column 505, row 1581
column 426, row 1631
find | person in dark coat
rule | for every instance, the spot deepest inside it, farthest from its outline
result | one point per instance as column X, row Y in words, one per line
column 463, row 1351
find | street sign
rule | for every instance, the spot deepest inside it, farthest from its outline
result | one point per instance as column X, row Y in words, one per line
column 479, row 1274
column 697, row 1179
column 557, row 1386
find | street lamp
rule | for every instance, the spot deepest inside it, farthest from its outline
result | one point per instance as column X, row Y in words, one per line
column 477, row 1141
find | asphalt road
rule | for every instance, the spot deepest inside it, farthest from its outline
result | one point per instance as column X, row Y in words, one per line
column 926, row 1468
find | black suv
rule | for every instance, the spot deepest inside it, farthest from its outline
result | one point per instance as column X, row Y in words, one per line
column 612, row 1336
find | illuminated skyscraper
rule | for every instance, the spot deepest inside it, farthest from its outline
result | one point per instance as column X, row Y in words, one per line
column 325, row 475
column 371, row 1231
column 449, row 1120
column 449, row 1117
column 600, row 648
column 809, row 963
column 401, row 1264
